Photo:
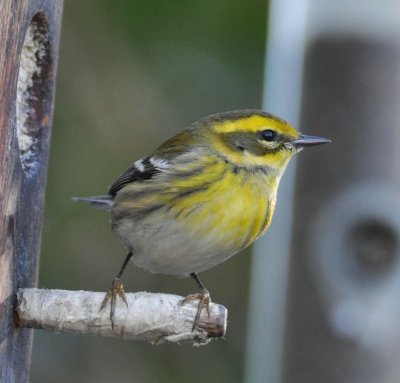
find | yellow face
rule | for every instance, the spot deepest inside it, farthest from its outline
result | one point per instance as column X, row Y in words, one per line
column 256, row 140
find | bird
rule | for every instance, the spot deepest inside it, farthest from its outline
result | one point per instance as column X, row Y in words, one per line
column 202, row 196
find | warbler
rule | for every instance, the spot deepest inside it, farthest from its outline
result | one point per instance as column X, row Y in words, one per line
column 202, row 196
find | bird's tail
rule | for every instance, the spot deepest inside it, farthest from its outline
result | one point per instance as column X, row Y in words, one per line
column 100, row 202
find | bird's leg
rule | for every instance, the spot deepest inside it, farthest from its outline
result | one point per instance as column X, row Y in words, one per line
column 116, row 290
column 204, row 299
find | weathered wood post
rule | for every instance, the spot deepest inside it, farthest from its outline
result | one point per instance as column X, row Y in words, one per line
column 29, row 39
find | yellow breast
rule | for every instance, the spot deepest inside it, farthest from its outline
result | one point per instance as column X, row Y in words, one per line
column 236, row 209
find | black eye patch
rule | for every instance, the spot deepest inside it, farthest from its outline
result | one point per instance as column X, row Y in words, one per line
column 268, row 135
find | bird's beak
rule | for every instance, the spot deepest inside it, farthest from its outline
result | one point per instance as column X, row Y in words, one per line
column 304, row 140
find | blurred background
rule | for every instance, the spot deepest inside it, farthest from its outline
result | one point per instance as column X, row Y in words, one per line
column 317, row 301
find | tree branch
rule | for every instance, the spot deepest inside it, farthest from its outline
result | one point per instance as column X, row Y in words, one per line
column 156, row 318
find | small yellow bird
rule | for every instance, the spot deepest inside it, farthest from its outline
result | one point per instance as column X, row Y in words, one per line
column 202, row 196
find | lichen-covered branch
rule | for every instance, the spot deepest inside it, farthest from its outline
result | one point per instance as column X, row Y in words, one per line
column 156, row 318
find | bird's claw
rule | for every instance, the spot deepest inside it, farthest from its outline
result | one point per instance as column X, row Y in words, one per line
column 116, row 290
column 204, row 301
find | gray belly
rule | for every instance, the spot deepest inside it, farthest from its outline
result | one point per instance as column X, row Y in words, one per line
column 170, row 247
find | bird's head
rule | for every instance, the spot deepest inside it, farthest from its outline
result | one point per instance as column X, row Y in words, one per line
column 252, row 138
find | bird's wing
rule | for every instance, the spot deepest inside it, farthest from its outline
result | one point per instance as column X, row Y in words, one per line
column 181, row 153
column 141, row 170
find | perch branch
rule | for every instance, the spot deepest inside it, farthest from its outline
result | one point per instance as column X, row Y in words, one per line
column 156, row 318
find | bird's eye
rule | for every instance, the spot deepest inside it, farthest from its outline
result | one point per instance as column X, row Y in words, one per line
column 268, row 135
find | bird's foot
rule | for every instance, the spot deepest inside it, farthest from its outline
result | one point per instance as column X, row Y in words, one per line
column 204, row 301
column 116, row 290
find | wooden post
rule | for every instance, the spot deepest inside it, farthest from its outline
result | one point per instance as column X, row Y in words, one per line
column 29, row 39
